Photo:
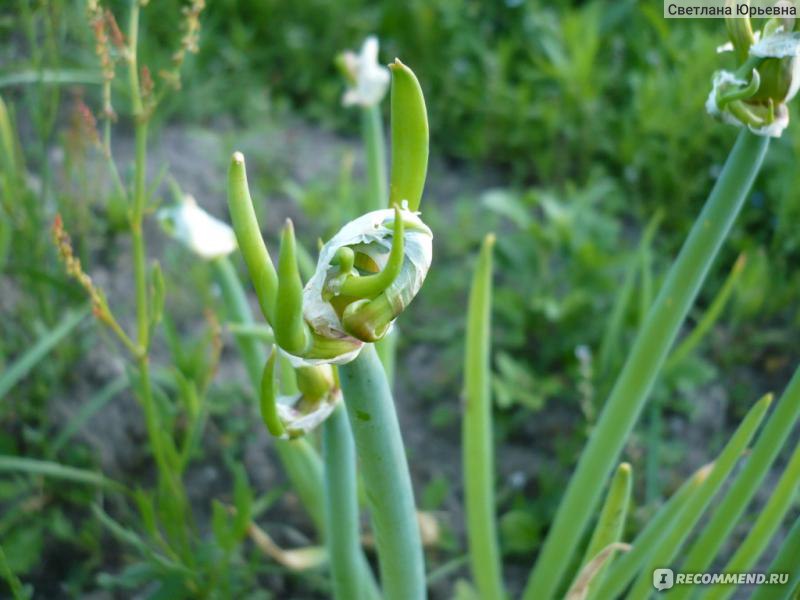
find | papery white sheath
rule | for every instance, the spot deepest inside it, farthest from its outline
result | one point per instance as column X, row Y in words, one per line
column 371, row 79
column 206, row 236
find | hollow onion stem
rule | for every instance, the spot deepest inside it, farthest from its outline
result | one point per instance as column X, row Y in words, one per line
column 387, row 481
column 477, row 436
column 341, row 507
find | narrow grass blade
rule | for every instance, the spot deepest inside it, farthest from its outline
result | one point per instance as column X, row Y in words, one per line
column 770, row 441
column 18, row 592
column 51, row 77
column 32, row 466
column 625, row 567
column 477, row 436
column 767, row 523
column 644, row 362
column 670, row 544
column 787, row 561
column 608, row 530
column 611, row 342
column 87, row 411
column 691, row 341
column 23, row 365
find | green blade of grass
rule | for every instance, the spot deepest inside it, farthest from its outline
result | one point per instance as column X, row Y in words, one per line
column 32, row 466
column 762, row 531
column 51, row 77
column 23, row 365
column 691, row 341
column 626, row 566
column 610, row 524
column 778, row 427
column 87, row 411
column 477, row 440
column 670, row 543
column 786, row 561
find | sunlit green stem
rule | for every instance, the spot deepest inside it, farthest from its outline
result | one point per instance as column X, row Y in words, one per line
column 341, row 511
column 387, row 480
column 647, row 355
column 375, row 146
column 477, row 435
column 747, row 483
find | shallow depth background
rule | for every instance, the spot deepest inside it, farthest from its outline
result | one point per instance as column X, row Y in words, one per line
column 564, row 127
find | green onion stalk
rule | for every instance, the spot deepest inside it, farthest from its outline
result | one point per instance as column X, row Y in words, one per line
column 749, row 93
column 366, row 275
column 477, row 440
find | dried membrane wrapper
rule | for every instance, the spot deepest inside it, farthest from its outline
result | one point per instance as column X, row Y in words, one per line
column 299, row 419
column 373, row 233
column 778, row 45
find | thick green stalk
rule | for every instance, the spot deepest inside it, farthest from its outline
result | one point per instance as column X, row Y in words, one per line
column 387, row 352
column 387, row 480
column 477, row 436
column 625, row 567
column 785, row 562
column 341, row 510
column 669, row 545
column 375, row 146
column 636, row 379
column 747, row 483
column 767, row 523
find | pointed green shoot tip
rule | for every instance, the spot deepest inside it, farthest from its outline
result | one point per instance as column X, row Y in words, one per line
column 269, row 396
column 409, row 138
column 291, row 331
column 369, row 286
column 248, row 234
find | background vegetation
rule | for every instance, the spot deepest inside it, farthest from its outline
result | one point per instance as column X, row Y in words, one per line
column 575, row 130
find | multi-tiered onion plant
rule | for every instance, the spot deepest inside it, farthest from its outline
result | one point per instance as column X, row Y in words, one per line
column 324, row 336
